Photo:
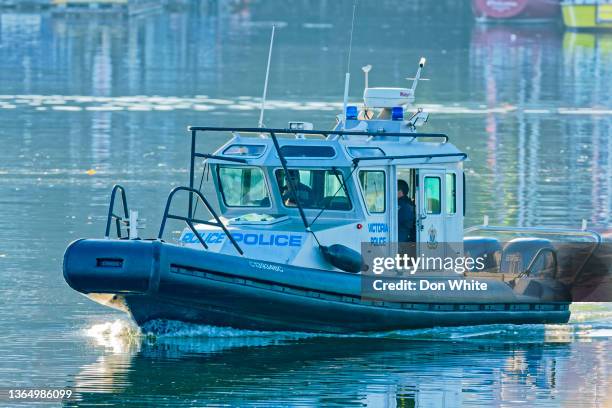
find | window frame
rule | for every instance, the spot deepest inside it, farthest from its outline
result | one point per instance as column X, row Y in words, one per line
column 463, row 192
column 440, row 212
column 348, row 195
column 362, row 192
column 251, row 156
column 353, row 149
column 454, row 193
column 222, row 193
column 308, row 157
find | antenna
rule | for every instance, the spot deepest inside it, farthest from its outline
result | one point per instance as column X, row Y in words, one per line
column 347, row 77
column 265, row 91
column 365, row 70
column 417, row 78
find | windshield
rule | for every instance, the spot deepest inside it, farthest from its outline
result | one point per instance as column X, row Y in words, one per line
column 243, row 187
column 315, row 189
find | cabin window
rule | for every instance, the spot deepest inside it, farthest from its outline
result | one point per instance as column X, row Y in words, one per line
column 308, row 151
column 315, row 189
column 373, row 188
column 366, row 152
column 433, row 195
column 451, row 193
column 244, row 150
column 243, row 187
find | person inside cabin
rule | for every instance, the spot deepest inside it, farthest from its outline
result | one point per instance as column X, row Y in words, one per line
column 406, row 227
column 304, row 192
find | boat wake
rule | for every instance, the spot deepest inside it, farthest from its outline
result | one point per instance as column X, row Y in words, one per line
column 123, row 336
column 589, row 322
column 119, row 336
column 177, row 329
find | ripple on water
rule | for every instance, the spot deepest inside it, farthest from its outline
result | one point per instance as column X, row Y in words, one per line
column 588, row 321
column 77, row 103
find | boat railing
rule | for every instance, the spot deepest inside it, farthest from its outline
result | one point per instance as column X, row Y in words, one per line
column 552, row 231
column 190, row 220
column 325, row 133
column 541, row 253
column 112, row 216
column 461, row 156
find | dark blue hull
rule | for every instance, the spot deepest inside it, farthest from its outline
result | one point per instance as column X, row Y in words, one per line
column 155, row 280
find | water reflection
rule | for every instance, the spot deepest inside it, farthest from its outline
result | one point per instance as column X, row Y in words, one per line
column 587, row 61
column 538, row 157
column 438, row 367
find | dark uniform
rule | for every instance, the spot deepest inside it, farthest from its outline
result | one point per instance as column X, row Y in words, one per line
column 304, row 194
column 406, row 226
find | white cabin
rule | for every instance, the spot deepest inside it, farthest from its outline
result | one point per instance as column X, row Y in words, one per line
column 348, row 177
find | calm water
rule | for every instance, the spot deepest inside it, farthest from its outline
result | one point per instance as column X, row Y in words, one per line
column 88, row 102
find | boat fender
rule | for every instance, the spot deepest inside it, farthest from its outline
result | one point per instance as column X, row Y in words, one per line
column 343, row 257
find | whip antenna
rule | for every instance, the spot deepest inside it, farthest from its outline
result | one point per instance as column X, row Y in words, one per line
column 347, row 77
column 415, row 80
column 265, row 90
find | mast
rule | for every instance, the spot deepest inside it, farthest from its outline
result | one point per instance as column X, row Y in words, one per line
column 265, row 90
column 347, row 76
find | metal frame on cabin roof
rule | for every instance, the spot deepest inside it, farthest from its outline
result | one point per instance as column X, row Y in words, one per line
column 325, row 133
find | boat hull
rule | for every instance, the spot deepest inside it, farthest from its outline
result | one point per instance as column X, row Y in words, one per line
column 587, row 16
column 515, row 10
column 153, row 280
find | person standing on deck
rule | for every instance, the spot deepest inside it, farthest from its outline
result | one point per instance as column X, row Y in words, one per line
column 405, row 214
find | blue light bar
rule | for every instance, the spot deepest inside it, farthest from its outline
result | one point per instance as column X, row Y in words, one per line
column 351, row 113
column 397, row 113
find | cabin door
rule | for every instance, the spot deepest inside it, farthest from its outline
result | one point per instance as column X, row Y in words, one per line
column 430, row 227
column 373, row 182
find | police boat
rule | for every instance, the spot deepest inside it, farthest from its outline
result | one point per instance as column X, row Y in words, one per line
column 281, row 239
